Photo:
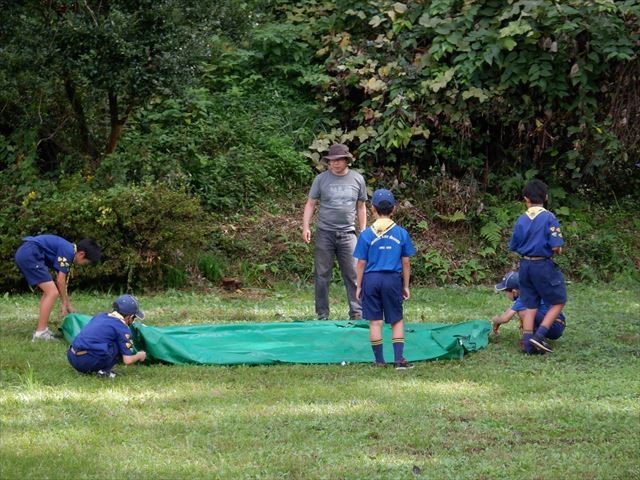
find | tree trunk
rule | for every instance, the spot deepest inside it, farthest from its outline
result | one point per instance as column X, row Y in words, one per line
column 88, row 145
column 117, row 123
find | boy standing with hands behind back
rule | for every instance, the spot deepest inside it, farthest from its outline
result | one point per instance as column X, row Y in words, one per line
column 537, row 237
column 383, row 272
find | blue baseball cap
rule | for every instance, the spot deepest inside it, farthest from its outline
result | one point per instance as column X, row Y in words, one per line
column 128, row 305
column 383, row 195
column 510, row 281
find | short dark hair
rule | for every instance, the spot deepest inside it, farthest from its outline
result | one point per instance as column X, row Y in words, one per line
column 535, row 191
column 384, row 208
column 91, row 249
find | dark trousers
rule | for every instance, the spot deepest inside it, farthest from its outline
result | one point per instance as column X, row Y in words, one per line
column 329, row 246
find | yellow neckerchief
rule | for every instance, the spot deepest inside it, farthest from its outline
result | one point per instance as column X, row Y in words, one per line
column 533, row 212
column 115, row 314
column 382, row 226
column 75, row 250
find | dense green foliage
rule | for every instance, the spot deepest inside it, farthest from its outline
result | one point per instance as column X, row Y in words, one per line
column 149, row 234
column 229, row 107
column 88, row 66
column 485, row 87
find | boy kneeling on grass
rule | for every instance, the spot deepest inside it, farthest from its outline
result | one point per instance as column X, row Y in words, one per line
column 383, row 272
column 510, row 285
column 106, row 339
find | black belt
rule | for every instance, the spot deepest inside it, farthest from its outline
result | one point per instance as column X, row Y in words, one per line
column 535, row 259
column 78, row 353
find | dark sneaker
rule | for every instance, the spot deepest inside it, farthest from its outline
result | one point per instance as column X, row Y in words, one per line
column 356, row 316
column 106, row 374
column 402, row 365
column 378, row 365
column 540, row 344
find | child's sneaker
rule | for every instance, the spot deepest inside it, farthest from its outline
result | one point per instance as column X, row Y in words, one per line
column 540, row 344
column 106, row 374
column 378, row 364
column 45, row 335
column 402, row 365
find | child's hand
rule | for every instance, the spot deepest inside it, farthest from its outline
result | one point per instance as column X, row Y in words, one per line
column 359, row 293
column 66, row 308
column 496, row 322
column 406, row 294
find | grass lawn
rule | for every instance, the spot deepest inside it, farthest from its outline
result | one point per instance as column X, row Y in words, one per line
column 495, row 414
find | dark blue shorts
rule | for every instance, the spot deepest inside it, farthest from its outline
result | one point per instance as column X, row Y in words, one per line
column 541, row 279
column 30, row 260
column 89, row 362
column 382, row 296
column 556, row 330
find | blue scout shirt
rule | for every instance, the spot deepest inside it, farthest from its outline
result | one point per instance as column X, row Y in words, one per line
column 58, row 253
column 106, row 335
column 535, row 233
column 518, row 306
column 383, row 249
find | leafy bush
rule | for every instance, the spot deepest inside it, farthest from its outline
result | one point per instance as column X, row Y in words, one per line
column 230, row 150
column 149, row 233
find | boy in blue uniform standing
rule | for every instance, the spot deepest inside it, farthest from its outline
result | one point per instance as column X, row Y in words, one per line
column 383, row 272
column 510, row 285
column 36, row 256
column 537, row 237
column 106, row 340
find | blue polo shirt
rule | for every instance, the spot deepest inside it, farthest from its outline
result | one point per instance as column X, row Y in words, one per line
column 518, row 306
column 58, row 253
column 384, row 253
column 536, row 233
column 106, row 335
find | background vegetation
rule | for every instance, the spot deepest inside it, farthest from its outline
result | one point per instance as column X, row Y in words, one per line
column 183, row 136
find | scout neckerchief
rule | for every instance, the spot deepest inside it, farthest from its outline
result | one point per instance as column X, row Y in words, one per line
column 115, row 314
column 382, row 226
column 533, row 212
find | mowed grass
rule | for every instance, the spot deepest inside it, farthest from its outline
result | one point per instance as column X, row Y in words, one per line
column 495, row 414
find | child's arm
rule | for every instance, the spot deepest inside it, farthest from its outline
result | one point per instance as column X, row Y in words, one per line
column 406, row 275
column 141, row 356
column 360, row 266
column 501, row 319
column 65, row 303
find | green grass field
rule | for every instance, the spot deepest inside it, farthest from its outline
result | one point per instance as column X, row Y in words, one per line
column 496, row 414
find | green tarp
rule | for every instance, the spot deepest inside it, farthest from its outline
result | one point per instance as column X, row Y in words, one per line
column 293, row 342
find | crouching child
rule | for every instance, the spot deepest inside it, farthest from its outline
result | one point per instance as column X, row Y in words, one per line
column 510, row 285
column 106, row 340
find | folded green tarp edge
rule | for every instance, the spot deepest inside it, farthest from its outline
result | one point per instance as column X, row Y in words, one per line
column 303, row 342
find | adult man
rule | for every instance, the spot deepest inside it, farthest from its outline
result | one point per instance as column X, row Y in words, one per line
column 341, row 194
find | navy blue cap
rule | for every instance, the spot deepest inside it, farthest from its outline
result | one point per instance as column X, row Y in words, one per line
column 128, row 305
column 383, row 195
column 510, row 281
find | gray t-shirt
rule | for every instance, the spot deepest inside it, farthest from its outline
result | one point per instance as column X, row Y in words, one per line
column 337, row 196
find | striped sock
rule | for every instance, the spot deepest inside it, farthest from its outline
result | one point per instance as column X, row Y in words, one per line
column 398, row 349
column 376, row 345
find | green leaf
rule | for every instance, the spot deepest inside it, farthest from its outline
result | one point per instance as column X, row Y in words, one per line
column 508, row 43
